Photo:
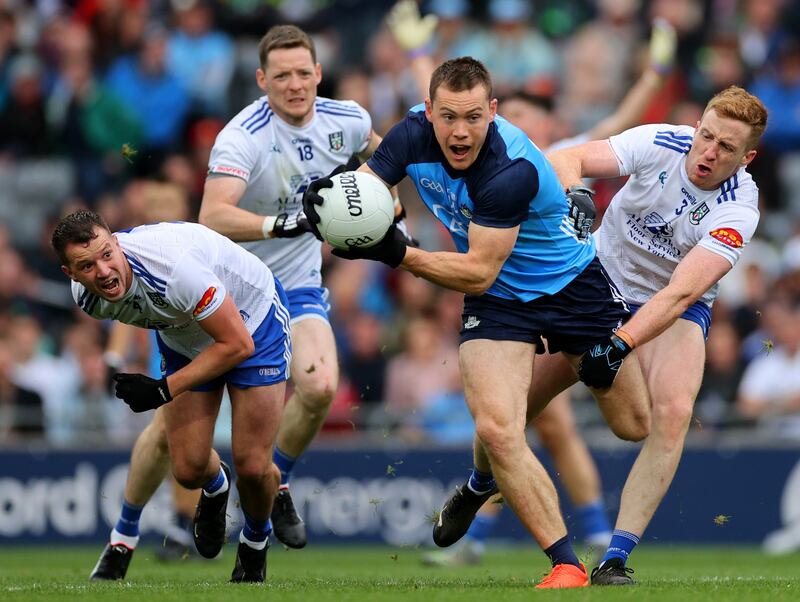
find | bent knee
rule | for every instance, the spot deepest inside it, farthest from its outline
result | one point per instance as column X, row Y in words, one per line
column 633, row 428
column 498, row 438
column 191, row 474
column 253, row 467
column 671, row 419
column 317, row 393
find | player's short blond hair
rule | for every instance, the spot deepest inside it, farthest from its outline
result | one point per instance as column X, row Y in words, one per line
column 736, row 103
column 284, row 36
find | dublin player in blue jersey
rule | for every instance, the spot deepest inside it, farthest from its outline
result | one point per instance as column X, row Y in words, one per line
column 529, row 275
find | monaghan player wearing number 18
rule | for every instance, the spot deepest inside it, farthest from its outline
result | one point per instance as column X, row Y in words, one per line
column 527, row 272
column 678, row 225
column 260, row 165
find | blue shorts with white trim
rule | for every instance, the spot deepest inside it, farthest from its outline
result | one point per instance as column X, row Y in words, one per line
column 699, row 313
column 268, row 365
column 306, row 302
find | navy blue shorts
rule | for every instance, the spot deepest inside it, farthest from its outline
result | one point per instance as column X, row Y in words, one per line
column 580, row 315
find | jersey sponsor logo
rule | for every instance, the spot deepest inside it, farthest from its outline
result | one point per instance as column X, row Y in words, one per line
column 157, row 300
column 302, row 141
column 728, row 236
column 205, row 301
column 336, row 140
column 444, row 215
column 698, row 214
column 228, row 170
column 688, row 199
column 431, row 185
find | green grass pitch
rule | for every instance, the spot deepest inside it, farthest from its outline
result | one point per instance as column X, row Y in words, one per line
column 346, row 573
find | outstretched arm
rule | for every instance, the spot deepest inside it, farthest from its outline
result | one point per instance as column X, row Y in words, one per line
column 629, row 113
column 414, row 33
column 589, row 160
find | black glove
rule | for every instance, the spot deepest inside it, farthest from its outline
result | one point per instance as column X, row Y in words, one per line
column 291, row 226
column 141, row 392
column 312, row 198
column 402, row 228
column 599, row 366
column 581, row 209
column 390, row 250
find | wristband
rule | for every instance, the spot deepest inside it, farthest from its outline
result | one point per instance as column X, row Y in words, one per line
column 625, row 337
column 267, row 225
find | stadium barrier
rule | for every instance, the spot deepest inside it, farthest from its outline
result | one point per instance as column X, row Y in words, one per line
column 390, row 495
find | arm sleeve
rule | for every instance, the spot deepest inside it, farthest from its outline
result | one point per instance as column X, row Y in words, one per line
column 393, row 155
column 730, row 229
column 234, row 154
column 193, row 288
column 504, row 201
column 635, row 147
column 361, row 132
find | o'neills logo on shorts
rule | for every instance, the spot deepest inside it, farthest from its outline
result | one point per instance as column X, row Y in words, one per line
column 351, row 193
column 728, row 236
column 205, row 300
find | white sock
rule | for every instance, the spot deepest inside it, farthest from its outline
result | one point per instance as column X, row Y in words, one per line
column 129, row 541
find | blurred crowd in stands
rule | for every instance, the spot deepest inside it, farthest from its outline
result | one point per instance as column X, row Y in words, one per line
column 115, row 105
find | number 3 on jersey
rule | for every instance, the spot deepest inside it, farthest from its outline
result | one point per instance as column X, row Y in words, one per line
column 306, row 152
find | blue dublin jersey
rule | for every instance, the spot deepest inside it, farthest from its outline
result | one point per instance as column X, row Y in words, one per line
column 511, row 183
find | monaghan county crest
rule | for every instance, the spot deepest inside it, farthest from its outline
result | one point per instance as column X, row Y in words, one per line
column 698, row 214
column 336, row 141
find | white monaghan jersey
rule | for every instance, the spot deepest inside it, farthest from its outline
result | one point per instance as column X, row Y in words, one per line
column 659, row 215
column 181, row 274
column 278, row 161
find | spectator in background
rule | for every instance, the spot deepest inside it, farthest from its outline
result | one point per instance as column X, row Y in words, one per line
column 365, row 363
column 770, row 389
column 724, row 368
column 780, row 92
column 8, row 32
column 760, row 32
column 153, row 95
column 515, row 53
column 201, row 57
column 92, row 123
column 53, row 378
column 21, row 412
column 424, row 368
column 23, row 124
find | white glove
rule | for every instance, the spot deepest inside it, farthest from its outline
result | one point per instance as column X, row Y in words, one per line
column 662, row 46
column 411, row 31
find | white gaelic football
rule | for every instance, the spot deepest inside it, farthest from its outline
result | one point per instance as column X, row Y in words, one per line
column 357, row 211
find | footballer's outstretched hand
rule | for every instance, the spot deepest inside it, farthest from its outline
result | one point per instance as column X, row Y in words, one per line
column 390, row 250
column 663, row 43
column 599, row 366
column 581, row 209
column 141, row 392
column 412, row 32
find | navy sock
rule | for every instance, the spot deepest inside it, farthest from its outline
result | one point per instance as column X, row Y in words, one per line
column 217, row 485
column 255, row 532
column 621, row 546
column 480, row 482
column 592, row 519
column 128, row 522
column 481, row 527
column 285, row 464
column 561, row 552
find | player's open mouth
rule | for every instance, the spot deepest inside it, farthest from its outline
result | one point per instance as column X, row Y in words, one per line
column 703, row 170
column 459, row 150
column 111, row 287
